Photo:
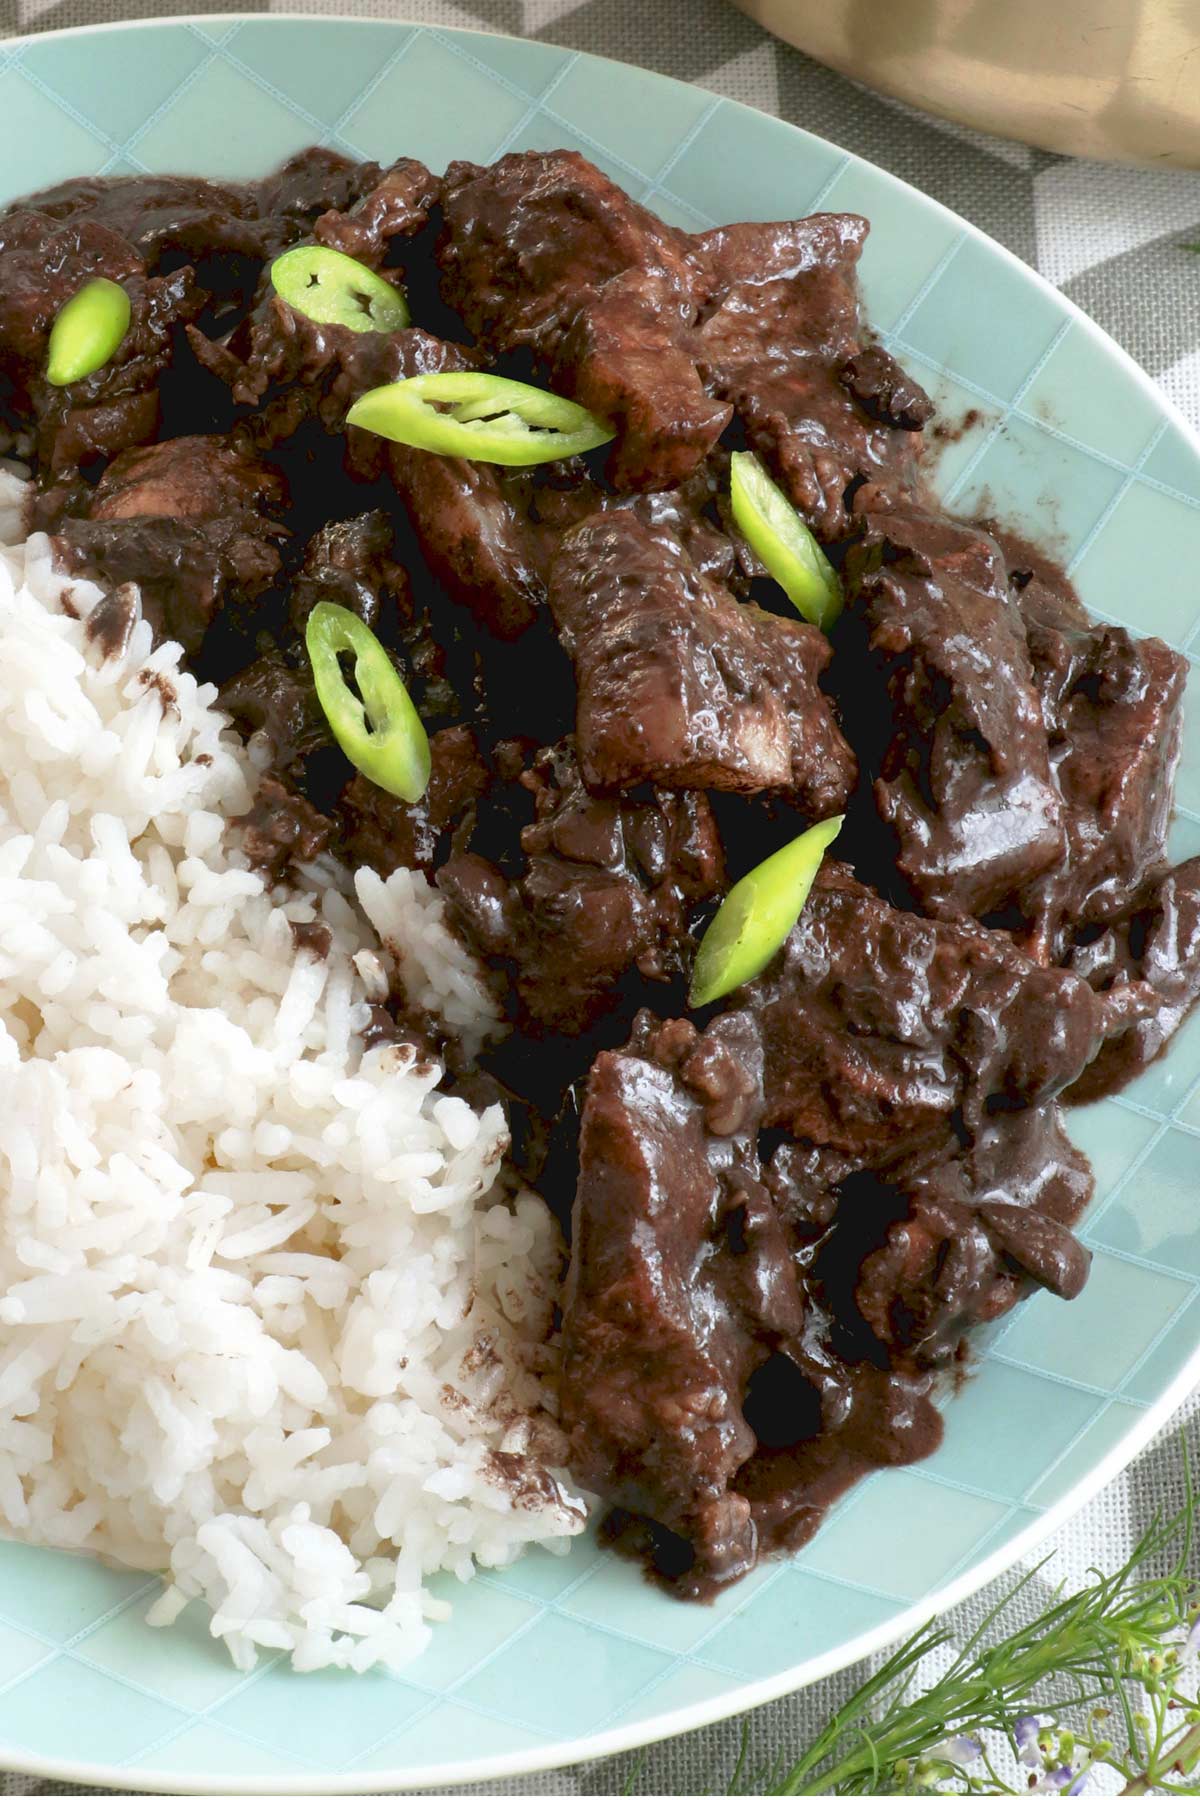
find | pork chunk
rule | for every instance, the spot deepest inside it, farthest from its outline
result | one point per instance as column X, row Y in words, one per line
column 964, row 780
column 542, row 251
column 683, row 685
column 885, row 1034
column 607, row 887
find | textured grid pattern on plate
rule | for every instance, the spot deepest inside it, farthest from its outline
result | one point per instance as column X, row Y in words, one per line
column 78, row 1677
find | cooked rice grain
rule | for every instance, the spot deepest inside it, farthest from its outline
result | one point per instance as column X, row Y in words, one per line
column 265, row 1316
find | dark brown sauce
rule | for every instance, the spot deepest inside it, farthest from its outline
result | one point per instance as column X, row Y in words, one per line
column 789, row 1209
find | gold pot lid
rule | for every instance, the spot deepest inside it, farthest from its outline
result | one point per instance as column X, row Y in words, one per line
column 1118, row 79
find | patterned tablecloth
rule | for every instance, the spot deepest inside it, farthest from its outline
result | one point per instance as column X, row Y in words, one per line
column 1110, row 238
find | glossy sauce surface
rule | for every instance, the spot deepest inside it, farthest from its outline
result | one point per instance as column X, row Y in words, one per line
column 787, row 1210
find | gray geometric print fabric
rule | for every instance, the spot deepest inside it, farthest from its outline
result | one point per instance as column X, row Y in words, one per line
column 1113, row 239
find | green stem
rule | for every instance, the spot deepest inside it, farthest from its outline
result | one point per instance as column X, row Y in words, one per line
column 1089, row 1644
column 1185, row 1755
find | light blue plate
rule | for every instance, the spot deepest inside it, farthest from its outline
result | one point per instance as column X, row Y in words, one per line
column 558, row 1659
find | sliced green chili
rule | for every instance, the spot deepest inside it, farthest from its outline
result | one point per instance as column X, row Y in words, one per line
column 334, row 289
column 779, row 538
column 381, row 732
column 756, row 915
column 483, row 417
column 88, row 329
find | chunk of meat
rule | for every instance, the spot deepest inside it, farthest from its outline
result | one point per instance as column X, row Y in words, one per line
column 275, row 695
column 627, row 359
column 396, row 206
column 73, row 430
column 779, row 330
column 667, row 842
column 160, row 214
column 185, row 570
column 700, row 1388
column 473, row 521
column 936, row 1275
column 119, row 405
column 1155, row 942
column 383, row 831
column 1113, row 710
column 686, row 1327
column 664, row 335
column 980, row 1225
column 191, row 478
column 884, row 1032
column 884, row 391
column 351, row 562
column 689, row 512
column 607, row 887
column 292, row 368
column 542, row 251
column 681, row 684
column 532, row 235
column 964, row 778
column 679, row 1268
column 43, row 263
column 490, row 535
column 282, row 830
column 315, row 183
column 1021, row 1161
column 155, row 213
column 563, row 494
column 190, row 522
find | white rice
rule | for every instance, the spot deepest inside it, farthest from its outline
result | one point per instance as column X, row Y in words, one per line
column 265, row 1316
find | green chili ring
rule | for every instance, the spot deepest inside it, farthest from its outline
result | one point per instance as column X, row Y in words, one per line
column 782, row 541
column 333, row 289
column 381, row 732
column 486, row 418
column 757, row 914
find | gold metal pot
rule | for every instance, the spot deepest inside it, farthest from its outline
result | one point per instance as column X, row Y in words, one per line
column 1118, row 79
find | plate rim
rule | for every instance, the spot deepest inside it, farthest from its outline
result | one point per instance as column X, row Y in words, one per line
column 747, row 1696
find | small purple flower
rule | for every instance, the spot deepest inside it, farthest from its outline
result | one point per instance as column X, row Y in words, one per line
column 1079, row 1783
column 1052, row 1781
column 1025, row 1731
column 961, row 1750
